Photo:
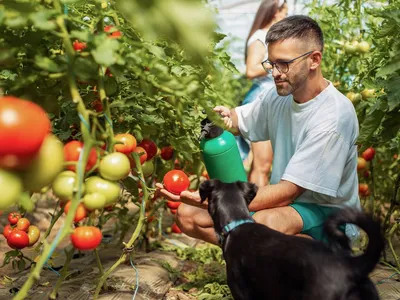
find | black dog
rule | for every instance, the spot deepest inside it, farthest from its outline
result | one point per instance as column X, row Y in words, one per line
column 263, row 264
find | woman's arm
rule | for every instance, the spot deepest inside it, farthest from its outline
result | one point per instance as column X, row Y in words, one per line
column 255, row 55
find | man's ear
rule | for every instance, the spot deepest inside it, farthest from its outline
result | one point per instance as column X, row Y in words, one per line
column 316, row 60
column 249, row 190
column 205, row 189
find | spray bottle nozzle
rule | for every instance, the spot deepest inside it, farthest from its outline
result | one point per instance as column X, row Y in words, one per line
column 209, row 129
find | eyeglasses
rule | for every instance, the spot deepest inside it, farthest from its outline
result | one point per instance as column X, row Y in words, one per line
column 281, row 66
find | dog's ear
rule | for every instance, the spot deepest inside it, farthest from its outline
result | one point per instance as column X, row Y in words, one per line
column 205, row 189
column 249, row 190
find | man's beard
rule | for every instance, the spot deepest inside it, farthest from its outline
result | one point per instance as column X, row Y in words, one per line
column 284, row 90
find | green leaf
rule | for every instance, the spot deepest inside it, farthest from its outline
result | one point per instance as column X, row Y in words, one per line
column 105, row 53
column 82, row 36
column 389, row 68
column 47, row 64
column 370, row 124
column 21, row 264
column 131, row 185
column 41, row 20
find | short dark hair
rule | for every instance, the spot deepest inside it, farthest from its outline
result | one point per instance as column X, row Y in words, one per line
column 299, row 27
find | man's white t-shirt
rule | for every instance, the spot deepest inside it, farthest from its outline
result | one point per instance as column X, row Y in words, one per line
column 313, row 143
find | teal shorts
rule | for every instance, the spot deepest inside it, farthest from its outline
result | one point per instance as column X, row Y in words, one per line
column 313, row 216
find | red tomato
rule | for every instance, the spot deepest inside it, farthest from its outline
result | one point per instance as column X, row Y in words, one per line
column 23, row 224
column 97, row 105
column 175, row 228
column 150, row 147
column 23, row 128
column 173, row 204
column 176, row 181
column 128, row 143
column 116, row 34
column 363, row 189
column 80, row 212
column 167, row 152
column 78, row 46
column 13, row 217
column 7, row 230
column 72, row 151
column 361, row 163
column 173, row 211
column 18, row 239
column 86, row 237
column 143, row 156
column 368, row 154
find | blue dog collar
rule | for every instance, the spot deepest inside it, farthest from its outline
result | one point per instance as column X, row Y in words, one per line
column 231, row 226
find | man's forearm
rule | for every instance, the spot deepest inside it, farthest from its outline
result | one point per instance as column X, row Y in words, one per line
column 275, row 195
column 235, row 124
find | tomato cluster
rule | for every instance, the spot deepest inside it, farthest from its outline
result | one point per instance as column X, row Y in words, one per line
column 19, row 232
column 362, row 166
column 30, row 156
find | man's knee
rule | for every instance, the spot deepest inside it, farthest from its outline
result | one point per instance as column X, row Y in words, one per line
column 284, row 219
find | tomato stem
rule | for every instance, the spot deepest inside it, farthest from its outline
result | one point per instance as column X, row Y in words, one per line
column 64, row 272
column 101, row 269
column 135, row 234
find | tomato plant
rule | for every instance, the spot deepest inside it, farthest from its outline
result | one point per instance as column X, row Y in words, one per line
column 23, row 127
column 80, row 212
column 94, row 201
column 109, row 189
column 64, row 184
column 176, row 181
column 368, row 154
column 86, row 237
column 6, row 230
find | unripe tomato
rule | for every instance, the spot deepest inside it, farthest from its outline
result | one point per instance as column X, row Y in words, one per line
column 86, row 237
column 94, row 201
column 367, row 93
column 18, row 239
column 351, row 48
column 167, row 152
column 33, row 234
column 150, row 147
column 13, row 217
column 363, row 47
column 46, row 166
column 78, row 46
column 7, row 230
column 72, row 152
column 23, row 127
column 10, row 187
column 148, row 168
column 23, row 224
column 175, row 228
column 368, row 154
column 63, row 185
column 109, row 189
column 128, row 143
column 353, row 97
column 176, row 181
column 361, row 163
column 80, row 212
column 173, row 204
column 114, row 166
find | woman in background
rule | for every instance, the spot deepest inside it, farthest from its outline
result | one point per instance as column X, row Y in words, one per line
column 269, row 12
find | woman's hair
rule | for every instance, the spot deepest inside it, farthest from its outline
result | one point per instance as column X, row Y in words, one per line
column 264, row 16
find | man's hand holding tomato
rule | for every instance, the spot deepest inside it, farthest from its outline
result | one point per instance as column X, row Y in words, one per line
column 187, row 197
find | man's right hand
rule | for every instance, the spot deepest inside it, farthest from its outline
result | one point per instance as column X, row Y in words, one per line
column 226, row 114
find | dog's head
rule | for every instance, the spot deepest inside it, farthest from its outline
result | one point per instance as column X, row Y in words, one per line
column 227, row 202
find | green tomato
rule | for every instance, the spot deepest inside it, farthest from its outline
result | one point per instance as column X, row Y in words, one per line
column 351, row 48
column 10, row 187
column 114, row 166
column 148, row 168
column 109, row 189
column 46, row 166
column 63, row 185
column 363, row 47
column 94, row 201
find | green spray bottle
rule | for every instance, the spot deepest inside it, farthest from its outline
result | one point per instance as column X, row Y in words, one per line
column 220, row 153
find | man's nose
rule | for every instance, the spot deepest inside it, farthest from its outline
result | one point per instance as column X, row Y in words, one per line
column 275, row 72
